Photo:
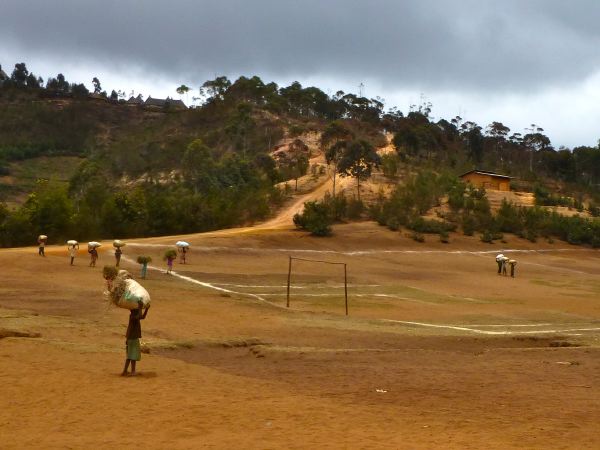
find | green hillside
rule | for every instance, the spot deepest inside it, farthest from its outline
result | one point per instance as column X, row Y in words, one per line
column 78, row 165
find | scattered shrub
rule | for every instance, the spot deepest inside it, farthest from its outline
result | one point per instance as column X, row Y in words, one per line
column 315, row 218
column 417, row 236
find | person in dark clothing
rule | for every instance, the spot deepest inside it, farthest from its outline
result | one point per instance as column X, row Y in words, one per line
column 118, row 253
column 93, row 256
column 512, row 263
column 132, row 337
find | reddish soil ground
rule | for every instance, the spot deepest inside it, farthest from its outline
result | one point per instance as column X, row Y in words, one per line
column 438, row 351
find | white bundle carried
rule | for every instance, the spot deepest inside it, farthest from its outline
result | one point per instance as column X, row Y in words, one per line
column 118, row 243
column 42, row 238
column 72, row 243
column 182, row 244
column 94, row 244
column 499, row 257
column 512, row 262
column 126, row 293
column 505, row 259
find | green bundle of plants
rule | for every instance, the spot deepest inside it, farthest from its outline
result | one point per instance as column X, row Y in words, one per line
column 109, row 272
column 170, row 254
column 144, row 260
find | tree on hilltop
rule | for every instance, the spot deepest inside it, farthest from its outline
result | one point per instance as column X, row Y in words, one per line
column 333, row 143
column 358, row 160
column 97, row 86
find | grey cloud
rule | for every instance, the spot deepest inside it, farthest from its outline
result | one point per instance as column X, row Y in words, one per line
column 509, row 45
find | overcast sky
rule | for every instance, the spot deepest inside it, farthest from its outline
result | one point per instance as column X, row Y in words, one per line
column 514, row 61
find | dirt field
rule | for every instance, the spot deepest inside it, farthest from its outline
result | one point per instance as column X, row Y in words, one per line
column 438, row 350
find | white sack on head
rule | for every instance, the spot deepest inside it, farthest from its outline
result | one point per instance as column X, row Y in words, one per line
column 72, row 242
column 134, row 293
column 94, row 244
column 42, row 237
column 182, row 244
column 118, row 243
column 126, row 292
column 512, row 261
column 499, row 257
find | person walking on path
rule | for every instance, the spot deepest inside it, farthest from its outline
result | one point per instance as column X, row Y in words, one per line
column 183, row 251
column 170, row 256
column 512, row 263
column 504, row 263
column 499, row 258
column 132, row 338
column 118, row 253
column 72, row 253
column 93, row 256
column 42, row 245
column 170, row 260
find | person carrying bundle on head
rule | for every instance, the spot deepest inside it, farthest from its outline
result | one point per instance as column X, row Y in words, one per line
column 170, row 256
column 42, row 238
column 93, row 251
column 182, row 247
column 499, row 258
column 512, row 263
column 73, row 247
column 118, row 244
column 504, row 264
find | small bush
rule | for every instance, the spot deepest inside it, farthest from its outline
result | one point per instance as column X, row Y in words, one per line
column 355, row 209
column 144, row 260
column 444, row 237
column 315, row 218
column 393, row 224
column 487, row 237
column 416, row 236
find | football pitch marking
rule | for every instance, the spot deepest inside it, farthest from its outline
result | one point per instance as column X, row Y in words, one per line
column 475, row 329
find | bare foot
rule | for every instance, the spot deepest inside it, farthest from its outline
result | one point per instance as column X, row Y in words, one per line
column 123, row 374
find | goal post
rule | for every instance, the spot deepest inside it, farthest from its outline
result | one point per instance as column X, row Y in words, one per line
column 289, row 278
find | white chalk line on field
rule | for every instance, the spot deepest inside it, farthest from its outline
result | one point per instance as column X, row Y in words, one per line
column 469, row 328
column 489, row 332
column 362, row 252
column 207, row 285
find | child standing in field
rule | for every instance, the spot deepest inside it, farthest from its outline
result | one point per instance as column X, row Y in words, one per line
column 132, row 338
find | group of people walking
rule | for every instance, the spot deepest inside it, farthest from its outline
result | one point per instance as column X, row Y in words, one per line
column 503, row 262
column 73, row 248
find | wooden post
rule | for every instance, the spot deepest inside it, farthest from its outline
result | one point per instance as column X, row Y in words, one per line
column 289, row 279
column 346, row 288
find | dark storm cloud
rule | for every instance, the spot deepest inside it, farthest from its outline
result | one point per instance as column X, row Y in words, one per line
column 434, row 44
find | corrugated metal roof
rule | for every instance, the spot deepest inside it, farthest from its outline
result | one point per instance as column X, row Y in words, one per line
column 484, row 172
